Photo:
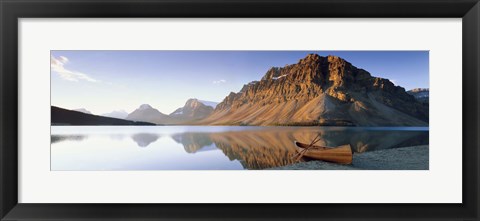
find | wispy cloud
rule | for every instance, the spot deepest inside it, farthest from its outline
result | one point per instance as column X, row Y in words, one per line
column 222, row 81
column 394, row 82
column 58, row 66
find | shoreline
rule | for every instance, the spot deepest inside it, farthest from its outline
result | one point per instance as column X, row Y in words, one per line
column 402, row 158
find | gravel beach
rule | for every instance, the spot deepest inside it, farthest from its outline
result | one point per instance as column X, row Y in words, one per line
column 404, row 158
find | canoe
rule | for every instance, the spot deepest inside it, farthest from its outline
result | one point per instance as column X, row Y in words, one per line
column 341, row 154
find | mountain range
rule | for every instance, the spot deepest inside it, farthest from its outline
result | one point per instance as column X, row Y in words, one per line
column 316, row 90
column 120, row 114
column 192, row 111
column 421, row 94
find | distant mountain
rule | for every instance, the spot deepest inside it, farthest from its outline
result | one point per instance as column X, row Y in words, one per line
column 320, row 91
column 421, row 94
column 62, row 116
column 193, row 110
column 209, row 103
column 120, row 114
column 83, row 110
column 149, row 114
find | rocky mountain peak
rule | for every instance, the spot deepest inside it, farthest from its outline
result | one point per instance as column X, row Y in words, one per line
column 329, row 80
column 417, row 90
column 147, row 113
column 191, row 111
column 421, row 94
column 273, row 72
column 335, row 59
column 192, row 103
column 145, row 106
column 321, row 70
column 311, row 58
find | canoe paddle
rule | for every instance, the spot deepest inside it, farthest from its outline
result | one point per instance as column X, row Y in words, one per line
column 301, row 153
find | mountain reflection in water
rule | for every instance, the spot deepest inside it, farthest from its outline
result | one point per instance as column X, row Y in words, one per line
column 60, row 138
column 264, row 149
column 251, row 147
column 144, row 139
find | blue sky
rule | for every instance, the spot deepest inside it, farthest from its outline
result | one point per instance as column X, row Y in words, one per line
column 103, row 81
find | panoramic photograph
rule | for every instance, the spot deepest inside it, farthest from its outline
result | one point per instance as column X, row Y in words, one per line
column 239, row 110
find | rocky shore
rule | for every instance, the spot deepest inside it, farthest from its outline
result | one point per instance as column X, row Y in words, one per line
column 405, row 158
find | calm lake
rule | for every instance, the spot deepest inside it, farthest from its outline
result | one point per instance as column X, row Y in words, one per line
column 208, row 147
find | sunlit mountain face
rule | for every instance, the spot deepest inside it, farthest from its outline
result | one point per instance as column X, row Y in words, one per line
column 321, row 91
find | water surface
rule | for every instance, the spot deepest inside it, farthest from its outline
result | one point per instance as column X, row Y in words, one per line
column 208, row 147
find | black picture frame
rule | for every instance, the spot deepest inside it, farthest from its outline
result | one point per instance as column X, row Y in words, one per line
column 12, row 10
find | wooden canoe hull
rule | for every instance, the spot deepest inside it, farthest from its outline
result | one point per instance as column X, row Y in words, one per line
column 341, row 154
